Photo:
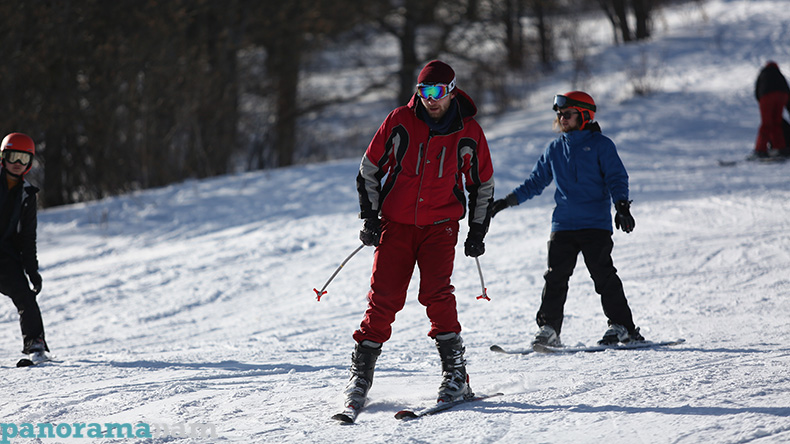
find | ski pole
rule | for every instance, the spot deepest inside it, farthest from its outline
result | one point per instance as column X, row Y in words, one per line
column 482, row 282
column 321, row 292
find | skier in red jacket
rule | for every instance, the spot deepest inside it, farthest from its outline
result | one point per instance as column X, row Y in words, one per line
column 428, row 151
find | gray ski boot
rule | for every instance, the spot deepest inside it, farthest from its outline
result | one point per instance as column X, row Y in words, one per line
column 363, row 363
column 455, row 381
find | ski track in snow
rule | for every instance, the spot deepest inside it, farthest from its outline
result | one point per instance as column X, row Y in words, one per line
column 193, row 303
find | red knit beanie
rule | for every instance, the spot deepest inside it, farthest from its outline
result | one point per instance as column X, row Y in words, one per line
column 437, row 72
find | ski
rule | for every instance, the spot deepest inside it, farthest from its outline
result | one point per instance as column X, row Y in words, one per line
column 439, row 407
column 518, row 351
column 770, row 160
column 597, row 348
column 347, row 416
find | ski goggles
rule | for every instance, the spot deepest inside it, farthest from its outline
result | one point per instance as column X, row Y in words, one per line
column 567, row 114
column 436, row 91
column 565, row 102
column 21, row 157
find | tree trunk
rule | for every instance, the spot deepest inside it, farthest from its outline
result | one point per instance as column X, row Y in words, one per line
column 283, row 64
column 544, row 33
column 621, row 12
column 642, row 13
column 514, row 40
column 408, row 51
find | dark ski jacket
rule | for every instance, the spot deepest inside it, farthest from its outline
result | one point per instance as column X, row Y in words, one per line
column 589, row 176
column 18, row 223
column 769, row 80
column 424, row 170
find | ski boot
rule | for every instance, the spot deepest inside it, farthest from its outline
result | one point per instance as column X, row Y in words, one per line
column 618, row 333
column 37, row 353
column 455, row 381
column 547, row 336
column 363, row 363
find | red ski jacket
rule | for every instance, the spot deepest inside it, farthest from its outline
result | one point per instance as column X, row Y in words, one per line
column 423, row 170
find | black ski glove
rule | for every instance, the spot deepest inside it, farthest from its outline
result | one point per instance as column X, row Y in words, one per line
column 623, row 219
column 509, row 201
column 474, row 245
column 35, row 279
column 370, row 234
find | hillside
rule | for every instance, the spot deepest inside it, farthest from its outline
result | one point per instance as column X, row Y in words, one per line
column 194, row 304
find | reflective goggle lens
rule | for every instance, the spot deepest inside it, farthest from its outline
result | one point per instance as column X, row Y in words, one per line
column 18, row 157
column 565, row 102
column 560, row 102
column 435, row 92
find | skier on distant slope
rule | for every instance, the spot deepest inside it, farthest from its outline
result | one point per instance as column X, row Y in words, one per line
column 773, row 95
column 426, row 150
column 18, row 221
column 589, row 175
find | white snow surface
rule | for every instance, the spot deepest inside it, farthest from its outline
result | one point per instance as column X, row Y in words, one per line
column 194, row 303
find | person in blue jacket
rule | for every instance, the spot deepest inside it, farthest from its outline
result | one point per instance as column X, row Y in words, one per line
column 589, row 176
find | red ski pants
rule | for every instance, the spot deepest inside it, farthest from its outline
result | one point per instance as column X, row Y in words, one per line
column 771, row 107
column 432, row 249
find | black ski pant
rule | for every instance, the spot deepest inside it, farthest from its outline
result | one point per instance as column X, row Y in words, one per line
column 596, row 247
column 14, row 284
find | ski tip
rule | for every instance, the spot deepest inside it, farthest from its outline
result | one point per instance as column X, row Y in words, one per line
column 496, row 348
column 24, row 362
column 347, row 416
column 405, row 414
column 343, row 418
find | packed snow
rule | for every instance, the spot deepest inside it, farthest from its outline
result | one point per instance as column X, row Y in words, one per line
column 193, row 304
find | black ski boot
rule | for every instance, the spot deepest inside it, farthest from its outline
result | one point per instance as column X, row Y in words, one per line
column 455, row 382
column 363, row 362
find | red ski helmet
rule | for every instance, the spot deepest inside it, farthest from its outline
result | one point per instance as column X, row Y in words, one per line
column 21, row 143
column 578, row 100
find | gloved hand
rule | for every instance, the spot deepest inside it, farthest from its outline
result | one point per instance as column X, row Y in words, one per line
column 35, row 279
column 509, row 201
column 474, row 245
column 623, row 219
column 370, row 234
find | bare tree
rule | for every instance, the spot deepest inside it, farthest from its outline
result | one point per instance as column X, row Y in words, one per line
column 514, row 33
column 540, row 10
column 618, row 13
column 121, row 95
column 282, row 28
column 642, row 11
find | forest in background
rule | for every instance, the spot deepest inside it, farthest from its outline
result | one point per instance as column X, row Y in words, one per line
column 132, row 94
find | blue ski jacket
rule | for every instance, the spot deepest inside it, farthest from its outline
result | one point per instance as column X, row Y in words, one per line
column 589, row 176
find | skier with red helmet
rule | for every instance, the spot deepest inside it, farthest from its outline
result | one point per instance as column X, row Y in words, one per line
column 18, row 257
column 589, row 176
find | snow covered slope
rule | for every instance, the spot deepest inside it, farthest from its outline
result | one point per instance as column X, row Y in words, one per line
column 193, row 304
